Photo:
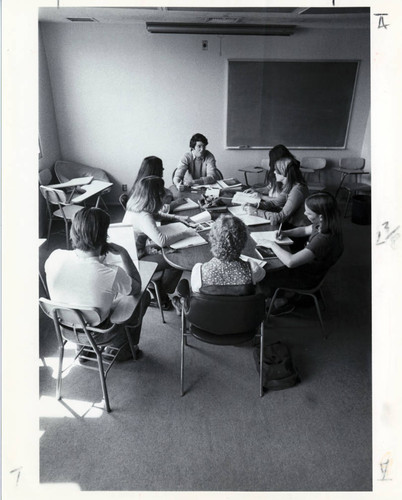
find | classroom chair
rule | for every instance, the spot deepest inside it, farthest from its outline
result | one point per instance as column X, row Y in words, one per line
column 220, row 320
column 56, row 198
column 156, row 278
column 264, row 167
column 311, row 168
column 351, row 170
column 311, row 292
column 74, row 325
column 67, row 170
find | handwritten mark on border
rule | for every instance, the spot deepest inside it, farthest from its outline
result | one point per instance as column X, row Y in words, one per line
column 385, row 235
column 381, row 22
column 385, row 466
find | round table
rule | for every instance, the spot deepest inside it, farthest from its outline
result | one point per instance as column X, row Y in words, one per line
column 185, row 258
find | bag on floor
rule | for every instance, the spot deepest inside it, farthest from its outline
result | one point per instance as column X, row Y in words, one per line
column 278, row 371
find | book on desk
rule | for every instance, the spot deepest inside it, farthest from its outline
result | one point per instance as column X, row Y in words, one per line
column 191, row 238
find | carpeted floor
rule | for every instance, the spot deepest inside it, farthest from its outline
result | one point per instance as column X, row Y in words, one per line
column 221, row 436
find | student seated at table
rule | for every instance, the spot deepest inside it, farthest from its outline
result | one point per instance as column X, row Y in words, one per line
column 226, row 273
column 197, row 166
column 306, row 268
column 152, row 165
column 81, row 278
column 142, row 212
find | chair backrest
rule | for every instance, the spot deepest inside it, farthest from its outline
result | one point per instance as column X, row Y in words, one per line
column 352, row 163
column 70, row 315
column 313, row 163
column 54, row 196
column 224, row 315
column 45, row 176
column 67, row 170
column 123, row 199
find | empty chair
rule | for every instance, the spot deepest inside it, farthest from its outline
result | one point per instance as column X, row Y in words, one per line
column 311, row 169
column 74, row 325
column 67, row 170
column 311, row 292
column 351, row 170
column 57, row 203
column 221, row 320
column 250, row 171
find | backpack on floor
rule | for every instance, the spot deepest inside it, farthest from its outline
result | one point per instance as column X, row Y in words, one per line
column 278, row 371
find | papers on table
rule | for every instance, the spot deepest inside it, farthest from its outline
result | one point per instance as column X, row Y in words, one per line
column 263, row 237
column 247, row 258
column 249, row 220
column 203, row 216
column 122, row 234
column 187, row 204
column 246, row 198
column 231, row 183
column 190, row 239
column 212, row 192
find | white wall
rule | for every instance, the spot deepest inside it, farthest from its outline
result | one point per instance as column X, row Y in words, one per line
column 48, row 135
column 121, row 93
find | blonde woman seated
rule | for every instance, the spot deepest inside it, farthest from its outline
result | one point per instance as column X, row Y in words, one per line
column 226, row 273
column 142, row 212
column 286, row 202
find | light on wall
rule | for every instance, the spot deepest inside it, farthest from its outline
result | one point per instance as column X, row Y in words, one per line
column 222, row 29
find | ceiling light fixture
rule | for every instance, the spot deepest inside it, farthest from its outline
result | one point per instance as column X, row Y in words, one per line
column 222, row 29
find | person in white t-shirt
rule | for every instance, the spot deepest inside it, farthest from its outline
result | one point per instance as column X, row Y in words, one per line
column 80, row 277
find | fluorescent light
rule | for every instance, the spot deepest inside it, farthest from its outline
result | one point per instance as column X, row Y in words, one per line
column 222, row 29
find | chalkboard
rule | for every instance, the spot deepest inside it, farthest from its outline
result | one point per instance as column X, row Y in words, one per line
column 301, row 104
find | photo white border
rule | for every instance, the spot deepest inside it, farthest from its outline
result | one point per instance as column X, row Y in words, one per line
column 20, row 431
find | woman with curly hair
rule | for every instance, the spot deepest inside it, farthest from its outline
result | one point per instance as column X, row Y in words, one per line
column 226, row 270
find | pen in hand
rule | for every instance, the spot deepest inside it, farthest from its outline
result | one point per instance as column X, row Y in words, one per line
column 279, row 233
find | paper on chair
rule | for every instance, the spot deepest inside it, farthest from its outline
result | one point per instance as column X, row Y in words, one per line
column 123, row 235
column 79, row 181
column 263, row 237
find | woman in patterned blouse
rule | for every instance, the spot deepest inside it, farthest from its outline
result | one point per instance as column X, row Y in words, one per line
column 228, row 237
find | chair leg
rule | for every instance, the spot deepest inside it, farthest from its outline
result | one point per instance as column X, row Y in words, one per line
column 271, row 305
column 261, row 356
column 347, row 204
column 60, row 371
column 183, row 338
column 103, row 381
column 130, row 343
column 317, row 306
column 158, row 299
column 66, row 228
column 49, row 227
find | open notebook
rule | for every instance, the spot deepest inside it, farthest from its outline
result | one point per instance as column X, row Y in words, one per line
column 122, row 234
column 249, row 220
column 192, row 238
column 263, row 237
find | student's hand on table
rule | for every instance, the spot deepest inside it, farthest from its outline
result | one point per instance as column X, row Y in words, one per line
column 183, row 218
